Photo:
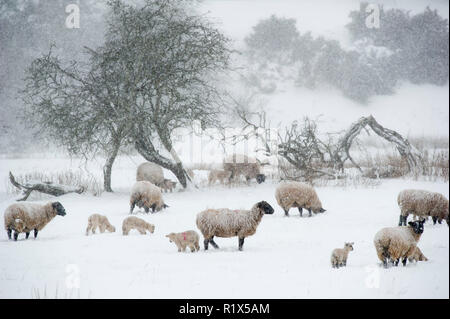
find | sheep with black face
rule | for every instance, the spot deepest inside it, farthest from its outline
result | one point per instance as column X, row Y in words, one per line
column 25, row 217
column 395, row 243
column 227, row 223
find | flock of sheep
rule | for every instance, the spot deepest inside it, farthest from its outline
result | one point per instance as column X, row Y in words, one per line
column 393, row 244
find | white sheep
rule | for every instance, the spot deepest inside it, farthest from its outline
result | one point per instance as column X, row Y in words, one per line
column 25, row 217
column 168, row 185
column 139, row 224
column 150, row 172
column 218, row 175
column 395, row 243
column 182, row 240
column 145, row 194
column 226, row 223
column 339, row 255
column 422, row 203
column 300, row 195
column 100, row 221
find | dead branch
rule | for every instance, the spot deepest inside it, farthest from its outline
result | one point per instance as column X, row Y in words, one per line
column 44, row 187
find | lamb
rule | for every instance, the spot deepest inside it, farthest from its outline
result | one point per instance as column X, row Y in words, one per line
column 218, row 175
column 296, row 194
column 168, row 185
column 226, row 223
column 150, row 172
column 24, row 217
column 422, row 203
column 417, row 255
column 182, row 240
column 133, row 222
column 145, row 194
column 238, row 165
column 339, row 255
column 100, row 221
column 395, row 243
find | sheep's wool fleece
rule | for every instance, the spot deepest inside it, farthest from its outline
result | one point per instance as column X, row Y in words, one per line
column 149, row 193
column 400, row 240
column 423, row 202
column 28, row 215
column 296, row 194
column 225, row 222
column 150, row 172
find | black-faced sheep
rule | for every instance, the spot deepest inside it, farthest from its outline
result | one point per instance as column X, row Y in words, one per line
column 422, row 203
column 25, row 217
column 145, row 194
column 296, row 194
column 249, row 167
column 100, row 221
column 395, row 243
column 139, row 224
column 339, row 255
column 182, row 240
column 229, row 223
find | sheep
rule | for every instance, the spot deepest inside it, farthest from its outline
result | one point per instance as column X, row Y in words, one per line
column 226, row 223
column 168, row 185
column 218, row 175
column 339, row 255
column 395, row 243
column 145, row 194
column 238, row 164
column 296, row 194
column 141, row 225
column 422, row 203
column 24, row 217
column 150, row 172
column 100, row 221
column 417, row 255
column 182, row 240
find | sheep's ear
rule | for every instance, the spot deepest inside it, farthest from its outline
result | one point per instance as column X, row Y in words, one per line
column 410, row 223
column 56, row 204
column 423, row 221
column 322, row 210
column 165, row 206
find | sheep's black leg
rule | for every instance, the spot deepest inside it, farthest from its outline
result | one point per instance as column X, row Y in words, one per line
column 16, row 234
column 132, row 208
column 300, row 210
column 213, row 243
column 434, row 220
column 35, row 233
column 205, row 242
column 309, row 210
column 404, row 261
column 385, row 263
column 241, row 243
column 396, row 262
column 286, row 212
column 9, row 231
column 400, row 222
column 27, row 235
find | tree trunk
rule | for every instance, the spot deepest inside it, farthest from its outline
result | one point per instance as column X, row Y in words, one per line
column 107, row 168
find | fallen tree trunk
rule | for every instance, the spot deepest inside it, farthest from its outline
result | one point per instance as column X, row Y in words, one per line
column 44, row 187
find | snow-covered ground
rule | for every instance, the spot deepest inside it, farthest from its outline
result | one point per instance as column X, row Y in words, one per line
column 286, row 258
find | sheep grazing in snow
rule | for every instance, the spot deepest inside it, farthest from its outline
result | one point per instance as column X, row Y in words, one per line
column 182, row 240
column 249, row 167
column 417, row 255
column 296, row 194
column 168, row 185
column 100, row 221
column 395, row 243
column 25, row 217
column 422, row 203
column 145, row 194
column 150, row 172
column 139, row 224
column 339, row 255
column 218, row 175
column 226, row 223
